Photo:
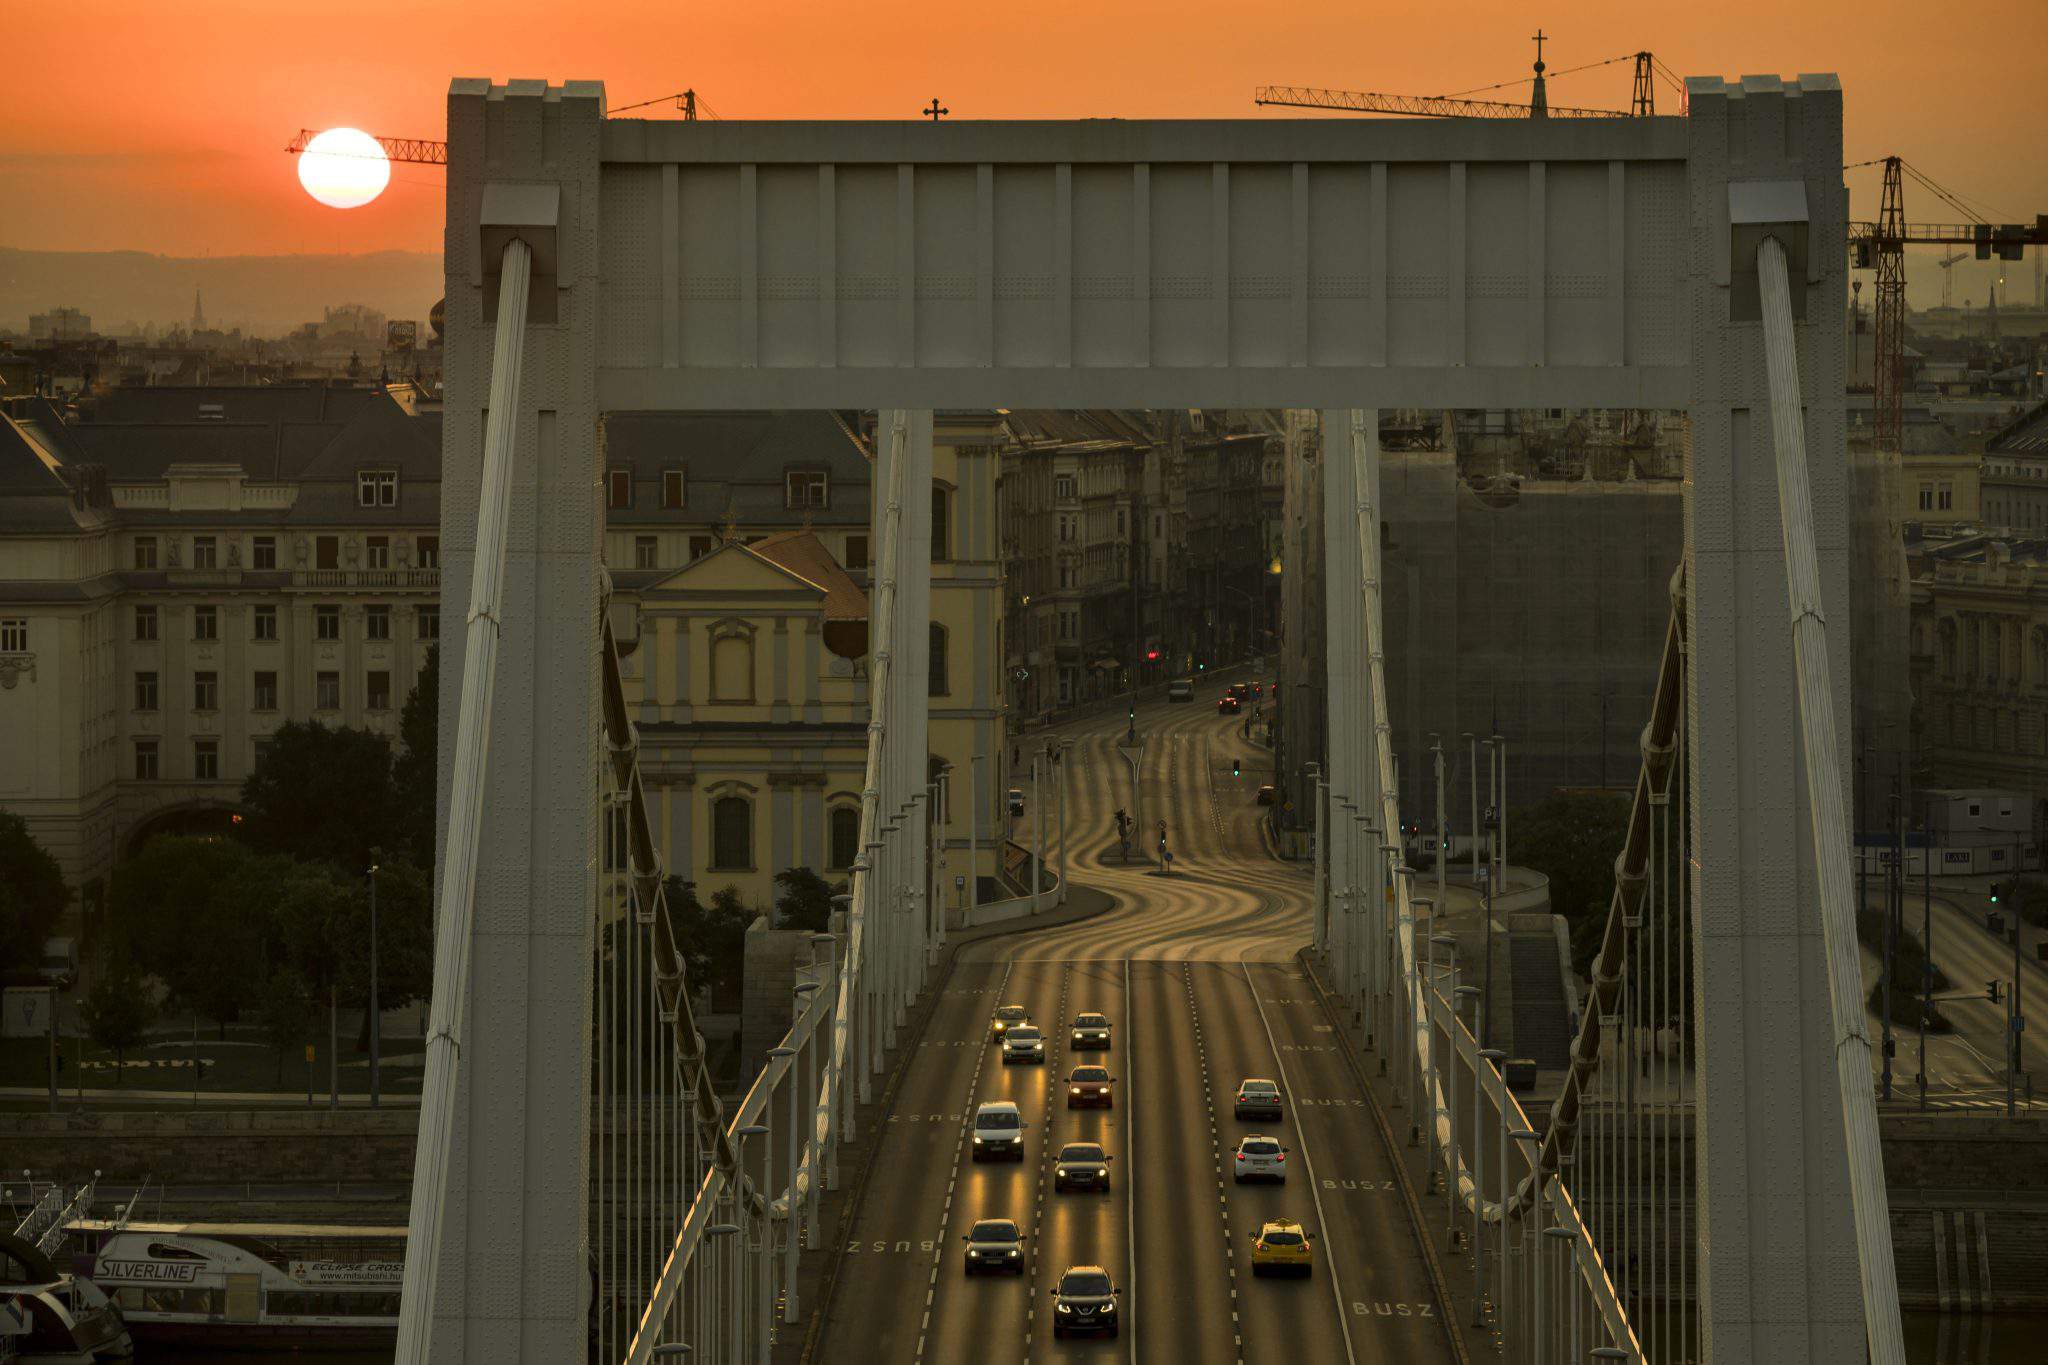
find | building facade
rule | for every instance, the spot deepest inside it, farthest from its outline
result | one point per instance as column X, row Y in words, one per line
column 1980, row 662
column 184, row 570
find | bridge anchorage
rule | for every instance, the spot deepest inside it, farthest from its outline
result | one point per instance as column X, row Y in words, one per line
column 581, row 1188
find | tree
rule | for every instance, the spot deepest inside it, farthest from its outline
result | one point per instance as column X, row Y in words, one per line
column 712, row 939
column 323, row 795
column 415, row 774
column 117, row 1009
column 32, row 894
column 286, row 1009
column 405, row 942
column 803, row 900
column 1573, row 838
column 196, row 914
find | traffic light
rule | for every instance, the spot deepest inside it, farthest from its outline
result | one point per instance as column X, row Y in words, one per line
column 1151, row 656
column 1997, row 890
column 1234, row 767
column 1201, row 667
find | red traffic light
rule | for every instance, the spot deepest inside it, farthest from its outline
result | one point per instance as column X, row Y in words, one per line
column 1151, row 655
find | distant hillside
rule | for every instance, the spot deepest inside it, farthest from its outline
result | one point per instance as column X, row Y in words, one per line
column 268, row 295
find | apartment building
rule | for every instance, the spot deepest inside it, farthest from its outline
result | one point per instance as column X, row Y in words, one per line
column 184, row 570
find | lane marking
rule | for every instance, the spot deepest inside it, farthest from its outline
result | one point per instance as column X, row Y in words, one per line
column 1301, row 1136
column 1130, row 1070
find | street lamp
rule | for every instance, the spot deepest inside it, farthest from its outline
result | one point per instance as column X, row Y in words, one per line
column 376, row 1017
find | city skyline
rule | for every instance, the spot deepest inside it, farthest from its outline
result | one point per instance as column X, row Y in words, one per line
column 145, row 165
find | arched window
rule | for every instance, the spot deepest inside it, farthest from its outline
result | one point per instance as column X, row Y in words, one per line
column 942, row 530
column 732, row 834
column 935, row 683
column 845, row 837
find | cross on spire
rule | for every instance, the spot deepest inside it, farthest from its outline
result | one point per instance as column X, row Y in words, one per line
column 936, row 110
column 1539, row 51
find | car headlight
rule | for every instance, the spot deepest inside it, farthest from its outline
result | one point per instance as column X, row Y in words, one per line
column 1062, row 1308
column 1073, row 1090
column 1012, row 1253
column 978, row 1139
column 1061, row 1172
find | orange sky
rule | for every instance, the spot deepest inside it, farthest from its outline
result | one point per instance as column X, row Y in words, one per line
column 159, row 124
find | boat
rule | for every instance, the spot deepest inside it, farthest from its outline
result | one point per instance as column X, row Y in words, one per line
column 274, row 1286
column 50, row 1316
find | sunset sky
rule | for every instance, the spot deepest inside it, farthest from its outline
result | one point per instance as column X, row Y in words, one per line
column 159, row 124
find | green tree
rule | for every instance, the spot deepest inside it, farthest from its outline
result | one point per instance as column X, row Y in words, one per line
column 405, row 942
column 118, row 1008
column 1573, row 838
column 32, row 894
column 713, row 941
column 196, row 914
column 415, row 773
column 285, row 1007
column 803, row 900
column 323, row 795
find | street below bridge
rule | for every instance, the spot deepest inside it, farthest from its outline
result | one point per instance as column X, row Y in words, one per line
column 1197, row 973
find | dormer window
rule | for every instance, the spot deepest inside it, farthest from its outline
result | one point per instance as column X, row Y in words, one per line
column 377, row 488
column 674, row 490
column 618, row 488
column 805, row 490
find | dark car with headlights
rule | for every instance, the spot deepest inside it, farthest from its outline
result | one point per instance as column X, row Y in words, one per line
column 1089, row 1031
column 1084, row 1301
column 994, row 1247
column 1081, row 1166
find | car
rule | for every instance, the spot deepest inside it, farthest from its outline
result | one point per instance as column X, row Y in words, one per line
column 1005, row 1017
column 1242, row 691
column 1081, row 1166
column 994, row 1247
column 1258, row 688
column 1016, row 800
column 1259, row 1157
column 1023, row 1043
column 1282, row 1246
column 1089, row 1031
column 1227, row 705
column 1084, row 1300
column 1180, row 689
column 1090, row 1087
column 1267, row 796
column 999, row 1132
column 1258, row 1099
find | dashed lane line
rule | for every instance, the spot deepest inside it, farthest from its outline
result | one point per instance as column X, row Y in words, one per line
column 1308, row 1160
column 953, row 1177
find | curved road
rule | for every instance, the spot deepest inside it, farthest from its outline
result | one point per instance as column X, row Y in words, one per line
column 1197, row 972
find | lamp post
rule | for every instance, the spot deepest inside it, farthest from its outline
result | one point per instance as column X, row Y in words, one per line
column 376, row 1017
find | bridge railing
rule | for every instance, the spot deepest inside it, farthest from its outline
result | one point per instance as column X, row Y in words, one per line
column 713, row 1267
column 1541, row 1274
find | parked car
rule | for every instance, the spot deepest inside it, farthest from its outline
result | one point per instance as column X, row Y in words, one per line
column 1181, row 689
column 1267, row 796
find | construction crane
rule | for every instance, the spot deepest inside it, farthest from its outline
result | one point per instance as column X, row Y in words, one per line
column 1882, row 246
column 1641, row 105
column 1948, row 280
column 420, row 151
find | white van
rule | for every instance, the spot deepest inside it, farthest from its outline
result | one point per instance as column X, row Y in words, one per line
column 999, row 1132
column 59, row 966
column 1181, row 689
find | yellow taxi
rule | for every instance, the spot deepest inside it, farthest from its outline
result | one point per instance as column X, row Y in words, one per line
column 1006, row 1015
column 1282, row 1247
